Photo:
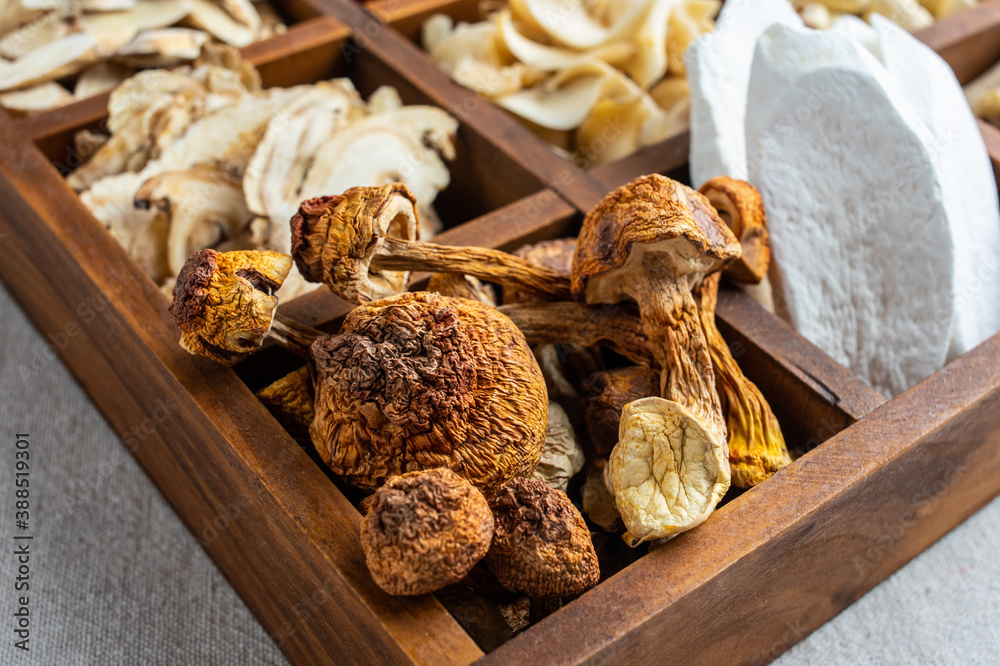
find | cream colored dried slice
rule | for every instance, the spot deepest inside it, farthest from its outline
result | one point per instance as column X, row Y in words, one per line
column 984, row 94
column 88, row 142
column 613, row 130
column 100, row 78
column 942, row 8
column 36, row 98
column 551, row 58
column 53, row 61
column 570, row 23
column 105, row 5
column 235, row 22
column 143, row 233
column 202, row 205
column 165, row 47
column 113, row 30
column 14, row 14
column 274, row 177
column 907, row 14
column 384, row 100
column 35, row 34
column 668, row 471
column 689, row 20
column 271, row 22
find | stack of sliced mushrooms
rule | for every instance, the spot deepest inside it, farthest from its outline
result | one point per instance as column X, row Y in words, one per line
column 201, row 156
column 911, row 15
column 599, row 399
column 93, row 45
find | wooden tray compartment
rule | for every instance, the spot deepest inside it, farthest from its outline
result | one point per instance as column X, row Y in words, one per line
column 764, row 571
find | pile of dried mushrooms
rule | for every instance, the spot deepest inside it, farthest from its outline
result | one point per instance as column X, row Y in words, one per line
column 497, row 450
column 200, row 156
column 97, row 44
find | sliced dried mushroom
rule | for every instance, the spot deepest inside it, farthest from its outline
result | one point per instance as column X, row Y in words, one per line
column 165, row 47
column 425, row 530
column 53, row 61
column 99, row 78
column 36, row 98
column 361, row 245
column 541, row 544
column 418, row 381
column 234, row 22
column 202, row 205
column 223, row 302
column 113, row 30
column 668, row 471
column 606, row 394
column 36, row 34
column 984, row 95
column 562, row 458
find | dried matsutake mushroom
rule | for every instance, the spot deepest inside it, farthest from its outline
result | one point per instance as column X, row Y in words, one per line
column 462, row 286
column 418, row 381
column 541, row 544
column 562, row 456
column 740, row 206
column 555, row 254
column 290, row 400
column 425, row 530
column 652, row 241
column 224, row 303
column 362, row 245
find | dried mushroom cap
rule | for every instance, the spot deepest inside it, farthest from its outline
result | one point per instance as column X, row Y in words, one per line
column 562, row 456
column 462, row 286
column 652, row 214
column 335, row 238
column 541, row 544
column 420, row 380
column 668, row 470
column 425, row 530
column 290, row 400
column 741, row 207
column 556, row 254
column 223, row 302
column 606, row 394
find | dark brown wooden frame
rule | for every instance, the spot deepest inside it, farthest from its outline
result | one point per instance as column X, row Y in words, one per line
column 883, row 481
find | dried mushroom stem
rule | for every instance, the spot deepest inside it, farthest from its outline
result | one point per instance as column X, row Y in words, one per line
column 756, row 446
column 293, row 336
column 574, row 323
column 482, row 263
column 670, row 314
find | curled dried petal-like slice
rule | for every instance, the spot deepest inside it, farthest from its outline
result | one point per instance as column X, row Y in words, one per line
column 668, row 471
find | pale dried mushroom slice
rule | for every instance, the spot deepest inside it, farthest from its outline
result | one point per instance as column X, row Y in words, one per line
column 984, row 95
column 271, row 22
column 224, row 304
column 43, row 30
column 203, row 206
column 541, row 543
column 606, row 394
column 234, row 22
column 53, row 61
column 907, row 14
column 100, row 78
column 87, row 142
column 668, row 471
column 106, row 5
column 419, row 381
column 562, row 457
column 943, row 8
column 165, row 47
column 37, row 98
column 360, row 244
column 113, row 30
column 552, row 58
column 425, row 530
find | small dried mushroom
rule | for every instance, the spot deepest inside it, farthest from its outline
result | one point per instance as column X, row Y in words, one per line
column 425, row 530
column 224, row 303
column 290, row 400
column 562, row 456
column 740, row 206
column 653, row 240
column 606, row 394
column 541, row 544
column 418, row 381
column 362, row 244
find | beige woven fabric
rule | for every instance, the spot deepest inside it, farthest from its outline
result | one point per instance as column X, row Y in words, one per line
column 116, row 578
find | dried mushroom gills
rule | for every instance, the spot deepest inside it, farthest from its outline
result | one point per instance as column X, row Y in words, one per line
column 482, row 263
column 567, row 322
column 425, row 530
column 740, row 206
column 756, row 446
column 418, row 381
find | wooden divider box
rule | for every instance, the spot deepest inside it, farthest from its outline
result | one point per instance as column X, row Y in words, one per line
column 880, row 482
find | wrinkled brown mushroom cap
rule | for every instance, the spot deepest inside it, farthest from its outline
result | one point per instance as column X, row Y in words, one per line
column 541, row 544
column 420, row 380
column 335, row 238
column 223, row 301
column 425, row 530
column 607, row 393
column 555, row 254
column 741, row 207
column 651, row 214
